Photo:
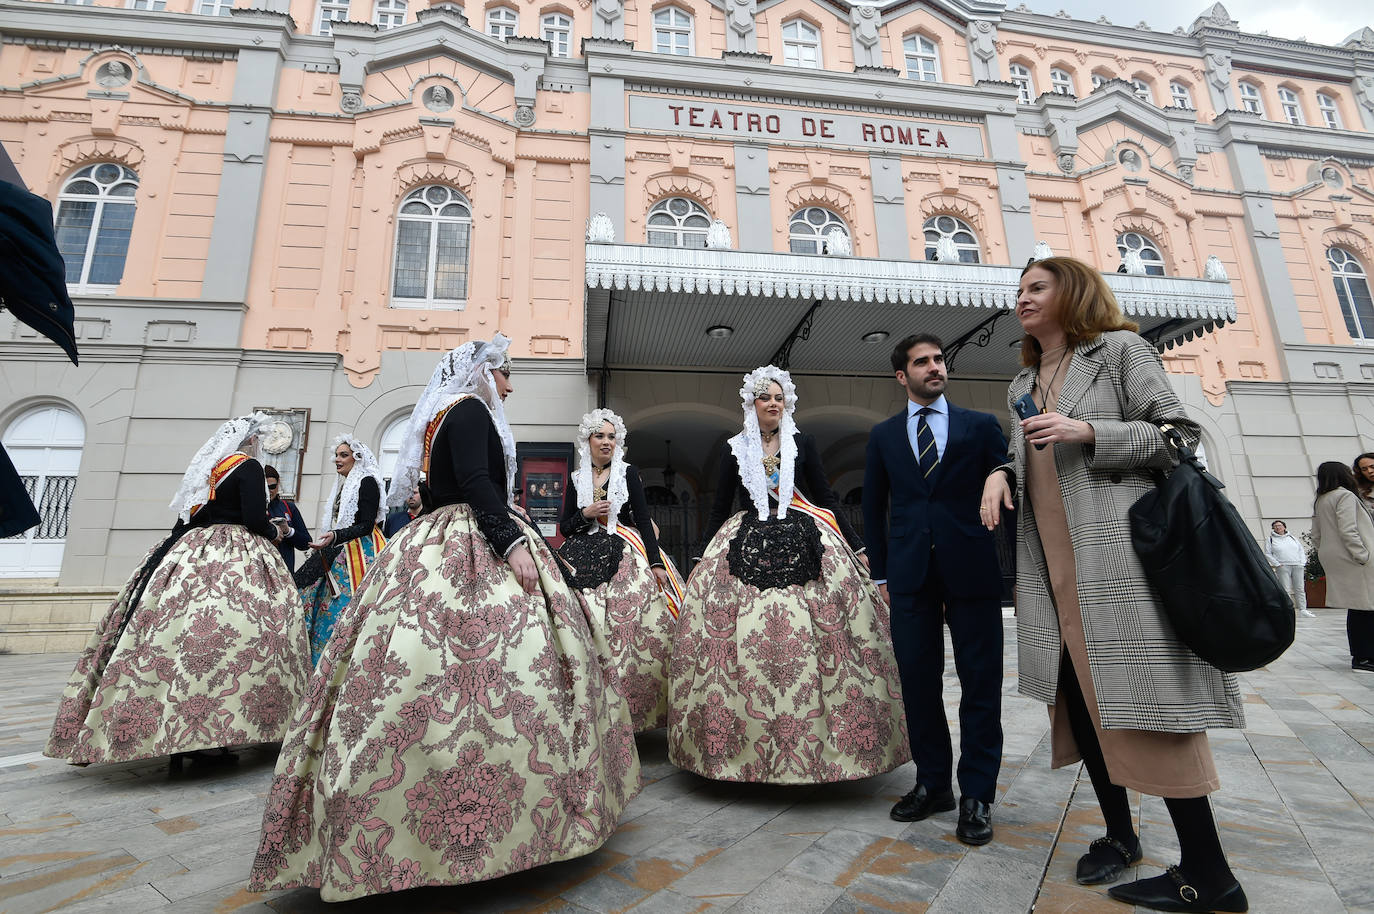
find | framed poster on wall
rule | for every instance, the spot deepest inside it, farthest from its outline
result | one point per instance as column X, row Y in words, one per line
column 282, row 443
column 543, row 474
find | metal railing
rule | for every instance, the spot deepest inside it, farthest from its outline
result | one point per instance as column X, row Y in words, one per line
column 54, row 506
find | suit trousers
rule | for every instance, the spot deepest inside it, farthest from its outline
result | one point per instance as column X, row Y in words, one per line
column 975, row 629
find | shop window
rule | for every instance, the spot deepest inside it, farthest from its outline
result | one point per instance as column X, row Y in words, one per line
column 1145, row 246
column 433, row 232
column 95, row 219
column 922, row 58
column 808, row 228
column 1025, row 83
column 1352, row 291
column 1061, row 81
column 1181, row 96
column 1288, row 103
column 959, row 233
column 801, row 44
column 45, row 444
column 1250, row 98
column 328, row 13
column 502, row 22
column 557, row 30
column 673, row 31
column 1327, row 106
column 389, row 14
column 678, row 223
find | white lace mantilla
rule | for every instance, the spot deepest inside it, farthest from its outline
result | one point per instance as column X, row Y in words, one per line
column 617, row 489
column 228, row 438
column 341, row 507
column 747, row 446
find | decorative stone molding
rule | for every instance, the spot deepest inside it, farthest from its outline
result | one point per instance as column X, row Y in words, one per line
column 600, row 229
column 608, row 19
column 982, row 45
column 691, row 186
column 740, row 36
column 864, row 21
column 718, row 236
column 823, row 195
column 75, row 153
column 418, row 174
column 1042, row 251
column 524, row 116
column 946, row 204
column 1214, row 270
column 1215, row 17
column 838, row 244
column 1066, row 163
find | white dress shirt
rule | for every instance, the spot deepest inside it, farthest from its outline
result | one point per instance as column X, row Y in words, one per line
column 937, row 419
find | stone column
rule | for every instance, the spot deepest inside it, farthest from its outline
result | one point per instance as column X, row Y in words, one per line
column 751, row 198
column 889, row 207
column 1011, row 185
column 982, row 49
column 739, row 26
column 606, row 132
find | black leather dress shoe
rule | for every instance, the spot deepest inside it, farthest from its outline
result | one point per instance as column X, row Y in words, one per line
column 1364, row 663
column 1105, row 861
column 1172, row 892
column 975, row 822
column 921, row 803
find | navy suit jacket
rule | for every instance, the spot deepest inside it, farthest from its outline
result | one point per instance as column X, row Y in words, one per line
column 905, row 512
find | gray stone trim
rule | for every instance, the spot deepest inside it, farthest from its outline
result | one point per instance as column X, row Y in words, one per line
column 1242, row 126
column 889, row 207
column 752, row 204
column 1353, row 366
column 55, row 22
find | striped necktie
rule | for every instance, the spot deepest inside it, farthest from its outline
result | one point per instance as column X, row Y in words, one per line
column 926, row 454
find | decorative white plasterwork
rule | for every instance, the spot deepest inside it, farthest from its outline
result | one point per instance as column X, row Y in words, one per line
column 777, row 275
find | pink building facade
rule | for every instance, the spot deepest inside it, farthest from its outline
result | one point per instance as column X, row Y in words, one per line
column 298, row 205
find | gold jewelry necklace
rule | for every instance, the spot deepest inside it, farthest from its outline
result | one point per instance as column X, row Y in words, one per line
column 771, row 462
column 599, row 491
column 768, row 436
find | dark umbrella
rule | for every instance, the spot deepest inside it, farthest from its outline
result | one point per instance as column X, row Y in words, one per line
column 33, row 284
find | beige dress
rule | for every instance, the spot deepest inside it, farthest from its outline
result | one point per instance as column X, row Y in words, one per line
column 1161, row 764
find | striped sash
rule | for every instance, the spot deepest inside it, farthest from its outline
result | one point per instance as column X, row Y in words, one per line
column 221, row 470
column 824, row 515
column 672, row 593
column 355, row 560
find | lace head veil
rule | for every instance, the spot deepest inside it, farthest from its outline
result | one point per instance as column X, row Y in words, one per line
column 462, row 372
column 195, row 483
column 747, row 446
column 364, row 465
column 617, row 490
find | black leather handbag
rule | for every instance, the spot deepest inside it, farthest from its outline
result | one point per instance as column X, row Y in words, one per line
column 1213, row 580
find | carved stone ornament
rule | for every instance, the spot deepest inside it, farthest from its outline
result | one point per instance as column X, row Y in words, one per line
column 600, row 229
column 1214, row 269
column 837, row 243
column 718, row 236
column 1364, row 91
column 1331, row 176
column 742, row 16
column 275, row 437
column 1130, row 159
column 1219, row 69
column 1186, row 173
column 113, row 73
column 1066, row 164
column 351, row 102
column 609, row 10
column 863, row 23
column 1042, row 251
column 524, row 116
column 982, row 38
column 438, row 99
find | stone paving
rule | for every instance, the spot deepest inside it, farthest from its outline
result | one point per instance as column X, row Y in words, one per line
column 1296, row 810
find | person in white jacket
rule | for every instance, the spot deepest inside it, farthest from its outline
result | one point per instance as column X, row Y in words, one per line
column 1289, row 561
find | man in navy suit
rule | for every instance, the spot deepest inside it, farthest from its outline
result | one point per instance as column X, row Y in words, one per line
column 934, row 563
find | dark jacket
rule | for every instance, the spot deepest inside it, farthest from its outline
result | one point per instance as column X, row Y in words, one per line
column 467, row 465
column 33, row 283
column 941, row 511
column 634, row 513
column 298, row 538
column 395, row 521
column 365, row 518
column 240, row 498
column 808, row 478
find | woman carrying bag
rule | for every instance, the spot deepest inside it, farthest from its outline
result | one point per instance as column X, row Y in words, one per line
column 1343, row 534
column 1126, row 695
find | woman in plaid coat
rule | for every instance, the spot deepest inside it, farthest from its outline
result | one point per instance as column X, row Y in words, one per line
column 1126, row 695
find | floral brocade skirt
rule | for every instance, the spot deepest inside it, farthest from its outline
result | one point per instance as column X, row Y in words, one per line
column 214, row 654
column 787, row 685
column 457, row 728
column 633, row 614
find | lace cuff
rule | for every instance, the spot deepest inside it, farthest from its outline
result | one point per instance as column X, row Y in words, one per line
column 501, row 531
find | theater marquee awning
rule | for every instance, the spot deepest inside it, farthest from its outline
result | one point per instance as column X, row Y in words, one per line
column 658, row 308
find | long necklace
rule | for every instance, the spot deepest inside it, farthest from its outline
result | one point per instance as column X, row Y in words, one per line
column 599, row 491
column 1046, row 389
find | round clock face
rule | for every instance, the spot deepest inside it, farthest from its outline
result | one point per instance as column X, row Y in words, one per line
column 276, row 437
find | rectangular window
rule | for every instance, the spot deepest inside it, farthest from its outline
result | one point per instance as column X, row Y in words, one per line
column 1330, row 116
column 1181, row 96
column 330, row 11
column 389, row 14
column 147, row 4
column 214, row 7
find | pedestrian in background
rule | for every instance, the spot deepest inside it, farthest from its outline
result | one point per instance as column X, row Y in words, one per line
column 401, row 516
column 1289, row 561
column 1363, row 468
column 287, row 517
column 1343, row 534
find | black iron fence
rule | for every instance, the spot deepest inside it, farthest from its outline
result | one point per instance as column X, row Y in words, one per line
column 54, row 505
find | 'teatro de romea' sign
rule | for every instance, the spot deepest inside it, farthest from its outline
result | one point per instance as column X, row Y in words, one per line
column 725, row 118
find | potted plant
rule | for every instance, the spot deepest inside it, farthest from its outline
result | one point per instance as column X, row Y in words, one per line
column 1314, row 576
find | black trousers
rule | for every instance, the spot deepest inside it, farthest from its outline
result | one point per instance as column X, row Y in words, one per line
column 1359, row 629
column 975, row 629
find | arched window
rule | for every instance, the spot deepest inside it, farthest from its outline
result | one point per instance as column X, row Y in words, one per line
column 922, row 58
column 388, row 14
column 1182, row 98
column 1352, row 291
column 45, row 444
column 1145, row 247
column 673, row 31
column 1061, row 81
column 1025, row 83
column 1250, row 98
column 678, row 223
column 432, row 234
column 1099, row 80
column 389, row 445
column 95, row 217
column 1327, row 106
column 1142, row 91
column 808, row 227
column 959, row 233
column 1288, row 103
column 502, row 22
column 557, row 30
column 328, row 13
column 801, row 44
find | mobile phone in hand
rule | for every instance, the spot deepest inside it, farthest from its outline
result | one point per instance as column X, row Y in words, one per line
column 1025, row 408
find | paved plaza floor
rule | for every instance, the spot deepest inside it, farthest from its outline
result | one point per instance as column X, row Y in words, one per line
column 1296, row 810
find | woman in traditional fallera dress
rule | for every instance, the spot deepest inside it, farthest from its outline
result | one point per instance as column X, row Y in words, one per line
column 205, row 646
column 464, row 721
column 351, row 540
column 782, row 668
column 630, row 587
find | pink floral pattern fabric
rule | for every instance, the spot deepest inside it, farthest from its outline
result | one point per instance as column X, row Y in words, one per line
column 633, row 615
column 215, row 654
column 457, row 728
column 790, row 685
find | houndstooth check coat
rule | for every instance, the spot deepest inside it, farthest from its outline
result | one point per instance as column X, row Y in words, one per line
column 1145, row 677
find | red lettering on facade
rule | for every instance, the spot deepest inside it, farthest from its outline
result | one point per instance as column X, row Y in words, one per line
column 887, row 133
column 921, row 136
column 772, row 123
column 734, row 119
column 808, row 126
column 692, row 117
column 715, row 118
column 940, row 139
column 677, row 113
column 755, row 122
column 869, row 133
column 826, row 130
column 904, row 135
